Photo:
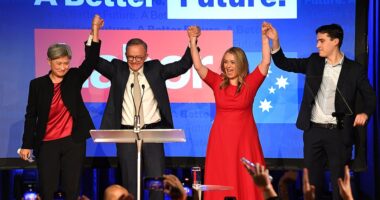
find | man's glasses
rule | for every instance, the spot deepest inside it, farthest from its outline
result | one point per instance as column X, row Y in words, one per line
column 135, row 58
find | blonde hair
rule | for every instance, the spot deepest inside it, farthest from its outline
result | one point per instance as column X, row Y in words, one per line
column 241, row 67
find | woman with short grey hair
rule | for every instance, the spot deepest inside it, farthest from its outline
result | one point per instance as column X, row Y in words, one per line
column 57, row 122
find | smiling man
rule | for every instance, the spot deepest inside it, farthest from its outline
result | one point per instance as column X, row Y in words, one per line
column 138, row 89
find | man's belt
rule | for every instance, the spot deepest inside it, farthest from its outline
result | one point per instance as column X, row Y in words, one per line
column 327, row 126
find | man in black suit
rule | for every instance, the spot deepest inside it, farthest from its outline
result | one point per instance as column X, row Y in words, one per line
column 149, row 78
column 57, row 122
column 326, row 115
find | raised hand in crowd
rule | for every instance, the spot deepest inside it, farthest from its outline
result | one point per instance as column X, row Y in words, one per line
column 260, row 176
column 174, row 187
column 308, row 190
column 345, row 185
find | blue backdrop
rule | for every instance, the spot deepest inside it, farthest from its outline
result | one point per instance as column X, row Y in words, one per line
column 278, row 135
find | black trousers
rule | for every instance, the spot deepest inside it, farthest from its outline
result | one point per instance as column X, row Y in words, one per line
column 153, row 163
column 60, row 158
column 323, row 148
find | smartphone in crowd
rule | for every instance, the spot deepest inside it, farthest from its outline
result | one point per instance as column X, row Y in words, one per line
column 154, row 183
column 30, row 196
column 251, row 165
column 248, row 163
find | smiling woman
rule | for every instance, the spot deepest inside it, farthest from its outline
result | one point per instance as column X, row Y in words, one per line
column 59, row 57
column 57, row 122
column 234, row 67
column 234, row 133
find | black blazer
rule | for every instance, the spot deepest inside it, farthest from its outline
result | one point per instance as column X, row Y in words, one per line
column 40, row 96
column 117, row 71
column 353, row 78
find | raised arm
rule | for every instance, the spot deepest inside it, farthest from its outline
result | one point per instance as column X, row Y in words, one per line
column 308, row 190
column 345, row 185
column 174, row 188
column 261, row 177
column 92, row 48
column 272, row 34
column 297, row 65
column 194, row 32
column 97, row 24
column 265, row 60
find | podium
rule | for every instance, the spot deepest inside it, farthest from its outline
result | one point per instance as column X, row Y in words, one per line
column 138, row 136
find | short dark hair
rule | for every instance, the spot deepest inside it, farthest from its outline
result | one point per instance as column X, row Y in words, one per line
column 333, row 31
column 137, row 41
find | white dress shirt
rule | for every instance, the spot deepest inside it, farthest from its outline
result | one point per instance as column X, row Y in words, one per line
column 325, row 100
column 149, row 103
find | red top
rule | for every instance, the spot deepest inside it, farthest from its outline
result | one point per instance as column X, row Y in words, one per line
column 60, row 122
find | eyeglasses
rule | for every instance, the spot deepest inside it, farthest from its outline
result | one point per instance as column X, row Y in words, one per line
column 136, row 58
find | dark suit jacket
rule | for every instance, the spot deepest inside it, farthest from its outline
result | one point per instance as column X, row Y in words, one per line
column 353, row 79
column 117, row 71
column 40, row 96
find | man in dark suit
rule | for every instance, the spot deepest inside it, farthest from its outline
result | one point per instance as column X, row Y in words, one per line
column 148, row 77
column 57, row 122
column 326, row 115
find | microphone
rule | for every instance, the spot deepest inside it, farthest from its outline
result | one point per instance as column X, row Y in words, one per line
column 136, row 118
column 340, row 115
column 133, row 99
column 143, row 92
column 339, row 118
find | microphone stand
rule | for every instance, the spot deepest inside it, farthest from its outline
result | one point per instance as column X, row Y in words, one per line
column 137, row 129
column 341, row 115
column 339, row 119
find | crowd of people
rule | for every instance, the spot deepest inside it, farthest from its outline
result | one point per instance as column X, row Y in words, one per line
column 261, row 178
column 57, row 122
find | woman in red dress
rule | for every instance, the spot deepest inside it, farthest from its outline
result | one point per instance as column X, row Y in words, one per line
column 234, row 133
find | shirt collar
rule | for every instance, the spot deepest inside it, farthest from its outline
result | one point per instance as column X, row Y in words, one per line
column 339, row 63
column 140, row 71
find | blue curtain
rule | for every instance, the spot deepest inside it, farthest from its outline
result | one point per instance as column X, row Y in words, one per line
column 370, row 180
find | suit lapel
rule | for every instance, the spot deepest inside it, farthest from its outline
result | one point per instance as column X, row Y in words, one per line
column 124, row 75
column 152, row 76
column 149, row 73
column 343, row 74
column 315, row 79
column 340, row 99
